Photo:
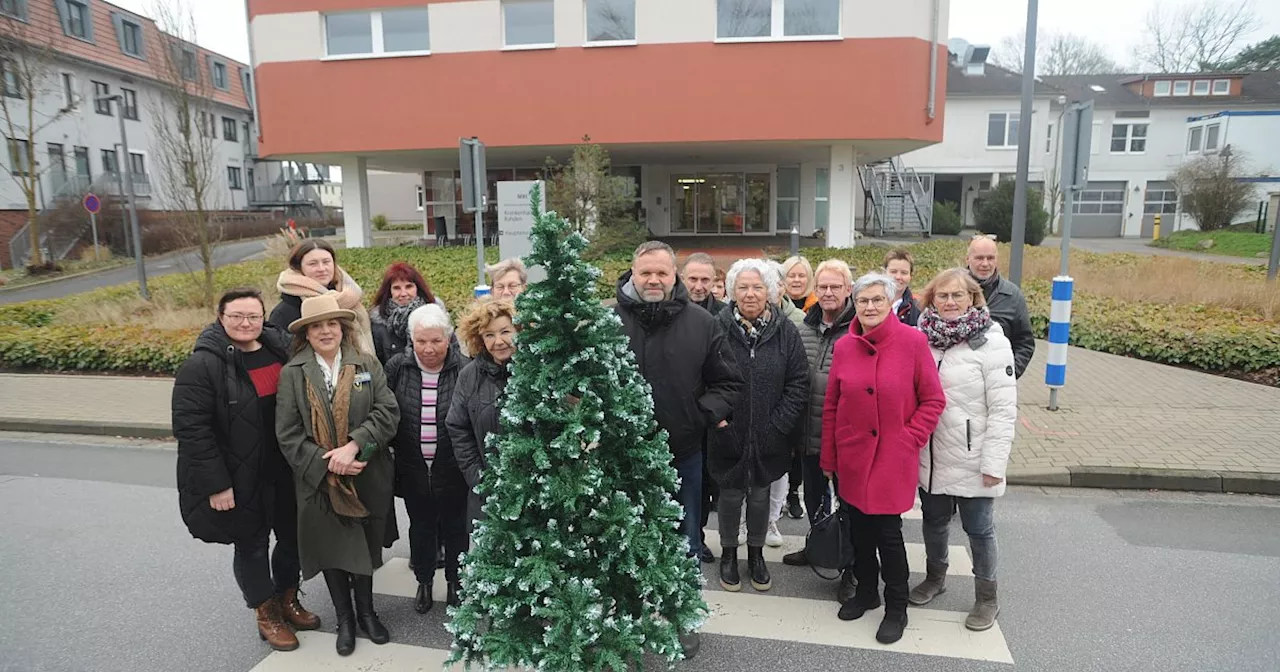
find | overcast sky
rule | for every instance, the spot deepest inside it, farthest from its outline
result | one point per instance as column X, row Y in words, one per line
column 1115, row 23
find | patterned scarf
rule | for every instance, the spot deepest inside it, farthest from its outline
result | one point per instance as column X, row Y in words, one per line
column 752, row 328
column 946, row 333
column 343, row 498
column 398, row 316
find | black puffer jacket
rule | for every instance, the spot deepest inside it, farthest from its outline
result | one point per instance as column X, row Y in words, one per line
column 222, row 443
column 405, row 379
column 755, row 445
column 288, row 311
column 711, row 304
column 473, row 416
column 681, row 352
column 820, row 368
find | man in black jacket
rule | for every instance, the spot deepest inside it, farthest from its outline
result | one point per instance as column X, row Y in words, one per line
column 1005, row 301
column 680, row 350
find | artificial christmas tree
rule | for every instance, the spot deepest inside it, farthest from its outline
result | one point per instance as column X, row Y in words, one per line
column 579, row 564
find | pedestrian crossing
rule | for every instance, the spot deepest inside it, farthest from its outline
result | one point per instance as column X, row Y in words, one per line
column 783, row 619
column 960, row 565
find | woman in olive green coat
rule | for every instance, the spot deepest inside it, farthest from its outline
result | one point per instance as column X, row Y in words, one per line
column 335, row 416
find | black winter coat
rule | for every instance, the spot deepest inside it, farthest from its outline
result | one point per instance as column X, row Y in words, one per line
column 473, row 416
column 682, row 353
column 711, row 304
column 820, row 368
column 908, row 310
column 222, row 440
column 288, row 311
column 405, row 379
column 386, row 344
column 1008, row 307
column 755, row 449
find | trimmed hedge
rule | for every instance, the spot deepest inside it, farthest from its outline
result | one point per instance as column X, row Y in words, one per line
column 45, row 335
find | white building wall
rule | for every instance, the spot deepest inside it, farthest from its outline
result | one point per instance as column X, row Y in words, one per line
column 1258, row 136
column 964, row 149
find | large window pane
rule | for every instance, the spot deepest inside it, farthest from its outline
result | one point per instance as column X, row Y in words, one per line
column 995, row 130
column 811, row 17
column 1013, row 131
column 683, row 196
column 349, row 34
column 611, row 20
column 788, row 215
column 822, row 179
column 744, row 18
column 757, row 202
column 405, row 30
column 529, row 22
column 821, row 215
column 788, row 183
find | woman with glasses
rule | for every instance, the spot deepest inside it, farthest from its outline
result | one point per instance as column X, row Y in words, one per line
column 508, row 278
column 883, row 401
column 234, row 486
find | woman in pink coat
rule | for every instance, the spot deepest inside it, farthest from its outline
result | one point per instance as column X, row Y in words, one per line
column 883, row 401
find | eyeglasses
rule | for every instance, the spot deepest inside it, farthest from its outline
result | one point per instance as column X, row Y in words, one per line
column 515, row 286
column 236, row 318
column 829, row 289
column 876, row 301
column 955, row 297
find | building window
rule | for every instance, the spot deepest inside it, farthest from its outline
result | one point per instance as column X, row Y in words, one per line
column 82, row 163
column 233, row 178
column 100, row 104
column 788, row 198
column 1212, row 133
column 1002, row 129
column 391, row 31
column 1128, row 138
column 137, row 163
column 20, row 159
column 129, row 107
column 1200, row 88
column 129, row 33
column 822, row 199
column 755, row 19
column 14, row 8
column 109, row 164
column 190, row 71
column 1182, row 88
column 218, row 70
column 57, row 158
column 70, row 91
column 422, row 203
column 1162, row 88
column 10, row 81
column 528, row 23
column 229, row 129
column 1193, row 139
column 1048, row 141
column 76, row 19
column 1099, row 202
column 1160, row 202
column 611, row 20
column 1221, row 87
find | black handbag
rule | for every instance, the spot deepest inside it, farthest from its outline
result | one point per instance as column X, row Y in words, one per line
column 828, row 545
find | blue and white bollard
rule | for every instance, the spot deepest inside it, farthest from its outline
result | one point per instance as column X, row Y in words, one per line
column 482, row 291
column 1055, row 374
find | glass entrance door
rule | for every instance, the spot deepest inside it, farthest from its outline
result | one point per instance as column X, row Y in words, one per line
column 719, row 203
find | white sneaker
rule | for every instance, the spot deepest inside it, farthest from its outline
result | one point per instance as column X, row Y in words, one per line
column 773, row 537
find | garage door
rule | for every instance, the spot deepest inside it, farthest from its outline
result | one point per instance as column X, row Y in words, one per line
column 1099, row 211
column 1160, row 199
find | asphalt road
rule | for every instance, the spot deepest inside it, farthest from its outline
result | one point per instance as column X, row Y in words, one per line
column 99, row 574
column 224, row 254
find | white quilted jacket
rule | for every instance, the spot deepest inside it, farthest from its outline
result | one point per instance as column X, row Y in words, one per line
column 975, row 434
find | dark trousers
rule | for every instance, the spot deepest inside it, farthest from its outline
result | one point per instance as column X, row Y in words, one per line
column 756, row 499
column 710, row 497
column 879, row 535
column 260, row 574
column 437, row 517
column 795, row 476
column 690, row 497
column 817, row 491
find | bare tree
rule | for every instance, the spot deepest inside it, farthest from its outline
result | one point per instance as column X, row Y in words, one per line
column 1211, row 189
column 598, row 203
column 1056, row 54
column 1196, row 36
column 185, row 125
column 28, row 81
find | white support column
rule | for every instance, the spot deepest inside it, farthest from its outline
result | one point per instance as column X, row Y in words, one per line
column 808, row 190
column 355, row 202
column 844, row 196
column 426, row 219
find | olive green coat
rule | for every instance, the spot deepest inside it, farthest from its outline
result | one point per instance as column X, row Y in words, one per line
column 326, row 541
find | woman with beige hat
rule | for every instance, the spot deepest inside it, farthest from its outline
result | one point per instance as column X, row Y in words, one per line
column 335, row 416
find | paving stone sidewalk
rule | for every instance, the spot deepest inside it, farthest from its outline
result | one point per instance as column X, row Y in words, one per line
column 1115, row 412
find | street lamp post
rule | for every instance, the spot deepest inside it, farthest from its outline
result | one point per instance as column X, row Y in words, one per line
column 122, row 165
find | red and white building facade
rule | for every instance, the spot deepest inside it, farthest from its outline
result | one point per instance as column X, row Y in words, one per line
column 733, row 117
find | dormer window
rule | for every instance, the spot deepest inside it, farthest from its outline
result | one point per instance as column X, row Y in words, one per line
column 76, row 19
column 1221, row 87
column 1182, row 88
column 1162, row 88
column 129, row 34
column 1201, row 88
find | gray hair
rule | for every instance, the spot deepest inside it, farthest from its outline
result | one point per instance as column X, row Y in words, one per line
column 430, row 316
column 876, row 278
column 769, row 275
column 700, row 258
column 834, row 266
column 653, row 246
column 504, row 267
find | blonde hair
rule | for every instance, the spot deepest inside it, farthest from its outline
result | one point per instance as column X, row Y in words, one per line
column 798, row 260
column 477, row 317
column 835, row 266
column 960, row 275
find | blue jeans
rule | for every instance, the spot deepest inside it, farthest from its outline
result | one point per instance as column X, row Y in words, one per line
column 977, row 515
column 690, row 497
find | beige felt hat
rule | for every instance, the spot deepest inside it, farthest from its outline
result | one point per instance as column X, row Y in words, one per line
column 318, row 309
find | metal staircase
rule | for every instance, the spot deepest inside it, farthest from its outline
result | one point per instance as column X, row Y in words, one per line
column 67, row 187
column 901, row 200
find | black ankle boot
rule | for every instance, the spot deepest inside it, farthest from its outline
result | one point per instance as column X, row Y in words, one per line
column 366, row 618
column 757, row 569
column 453, row 599
column 729, row 579
column 892, row 627
column 423, row 602
column 859, row 605
column 339, row 583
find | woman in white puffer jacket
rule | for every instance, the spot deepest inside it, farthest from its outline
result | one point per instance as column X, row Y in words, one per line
column 963, row 466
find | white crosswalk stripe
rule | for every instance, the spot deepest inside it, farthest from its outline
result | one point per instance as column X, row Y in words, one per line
column 960, row 564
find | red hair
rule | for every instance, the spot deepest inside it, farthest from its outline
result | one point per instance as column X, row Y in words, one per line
column 402, row 272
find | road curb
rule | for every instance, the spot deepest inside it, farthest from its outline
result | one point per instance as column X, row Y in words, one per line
column 60, row 278
column 1143, row 478
column 140, row 430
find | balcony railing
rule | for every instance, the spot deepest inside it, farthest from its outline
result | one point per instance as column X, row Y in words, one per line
column 112, row 184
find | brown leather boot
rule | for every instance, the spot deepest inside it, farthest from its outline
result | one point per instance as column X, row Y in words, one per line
column 272, row 628
column 294, row 613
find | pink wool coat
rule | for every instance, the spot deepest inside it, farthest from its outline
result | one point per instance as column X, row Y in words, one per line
column 883, row 401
